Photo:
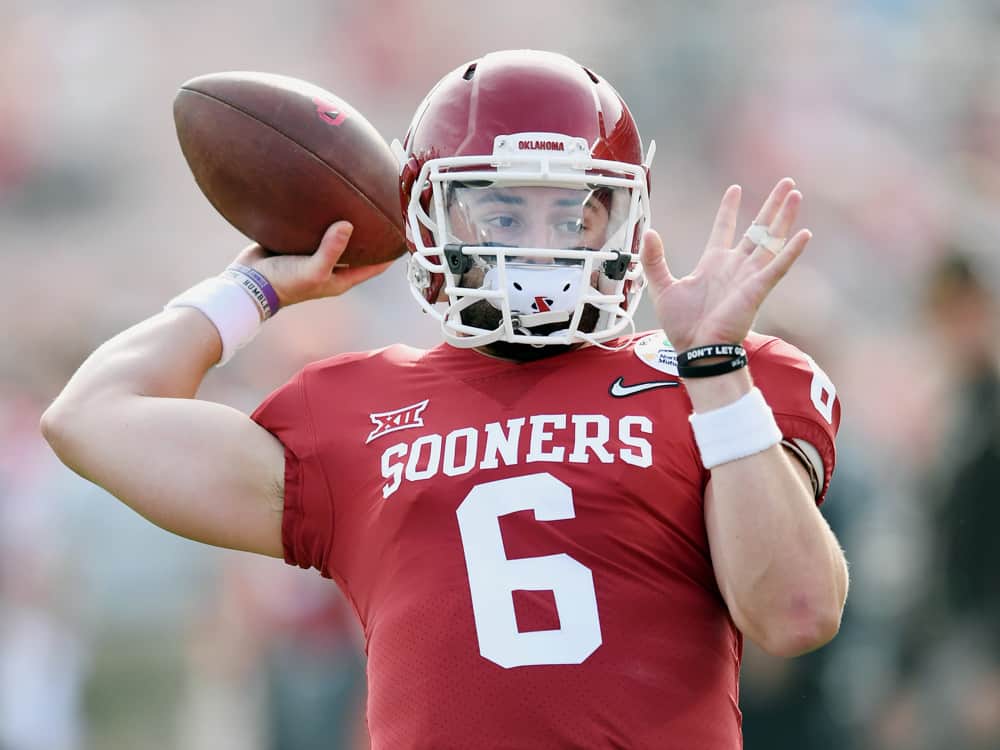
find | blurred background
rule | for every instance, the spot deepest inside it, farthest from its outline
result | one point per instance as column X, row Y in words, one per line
column 115, row 635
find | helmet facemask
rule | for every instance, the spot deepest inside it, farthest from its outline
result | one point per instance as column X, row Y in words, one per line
column 537, row 243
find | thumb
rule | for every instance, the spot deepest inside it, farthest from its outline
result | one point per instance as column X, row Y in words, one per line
column 653, row 261
column 331, row 247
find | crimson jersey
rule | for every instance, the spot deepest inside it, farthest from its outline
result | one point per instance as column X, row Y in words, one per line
column 525, row 544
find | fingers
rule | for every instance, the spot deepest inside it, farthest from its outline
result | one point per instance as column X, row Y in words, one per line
column 331, row 247
column 345, row 278
column 774, row 271
column 770, row 212
column 653, row 261
column 724, row 227
column 780, row 226
column 783, row 222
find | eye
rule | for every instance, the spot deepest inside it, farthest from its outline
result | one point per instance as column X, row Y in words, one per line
column 571, row 226
column 503, row 221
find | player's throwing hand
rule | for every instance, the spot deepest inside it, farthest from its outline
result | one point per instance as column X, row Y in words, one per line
column 718, row 300
column 297, row 278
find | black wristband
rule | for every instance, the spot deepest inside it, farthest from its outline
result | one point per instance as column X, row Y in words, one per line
column 737, row 359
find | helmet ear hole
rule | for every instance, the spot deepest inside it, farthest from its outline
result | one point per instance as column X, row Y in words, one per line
column 469, row 72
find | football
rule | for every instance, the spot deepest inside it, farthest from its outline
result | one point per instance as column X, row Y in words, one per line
column 282, row 159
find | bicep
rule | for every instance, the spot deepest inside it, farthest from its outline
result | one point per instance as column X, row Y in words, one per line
column 199, row 469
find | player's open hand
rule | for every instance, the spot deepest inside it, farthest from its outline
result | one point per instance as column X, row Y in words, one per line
column 297, row 278
column 717, row 302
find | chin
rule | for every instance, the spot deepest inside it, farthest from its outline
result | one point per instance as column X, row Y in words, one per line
column 484, row 315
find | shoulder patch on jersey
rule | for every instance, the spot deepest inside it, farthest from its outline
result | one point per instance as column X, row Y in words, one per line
column 397, row 419
column 656, row 351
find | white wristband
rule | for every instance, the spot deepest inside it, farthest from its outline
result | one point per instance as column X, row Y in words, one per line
column 736, row 430
column 230, row 308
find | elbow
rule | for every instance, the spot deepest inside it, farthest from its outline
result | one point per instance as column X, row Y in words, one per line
column 807, row 628
column 57, row 427
column 52, row 426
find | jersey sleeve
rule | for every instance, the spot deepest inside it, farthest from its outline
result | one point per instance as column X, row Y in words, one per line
column 805, row 405
column 307, row 519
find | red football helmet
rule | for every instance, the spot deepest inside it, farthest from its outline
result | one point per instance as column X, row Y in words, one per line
column 525, row 197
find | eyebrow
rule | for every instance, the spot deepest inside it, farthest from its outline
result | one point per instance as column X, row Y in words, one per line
column 517, row 200
column 496, row 197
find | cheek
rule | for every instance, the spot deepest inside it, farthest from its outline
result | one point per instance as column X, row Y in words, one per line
column 474, row 278
column 461, row 229
column 594, row 236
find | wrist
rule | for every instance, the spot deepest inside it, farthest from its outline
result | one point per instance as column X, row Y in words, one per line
column 710, row 360
column 707, row 394
column 735, row 430
column 237, row 302
column 255, row 284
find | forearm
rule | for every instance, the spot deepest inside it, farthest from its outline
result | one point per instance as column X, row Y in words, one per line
column 128, row 422
column 128, row 419
column 779, row 566
column 166, row 355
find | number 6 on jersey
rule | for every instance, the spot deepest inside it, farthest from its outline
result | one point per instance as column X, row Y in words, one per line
column 493, row 577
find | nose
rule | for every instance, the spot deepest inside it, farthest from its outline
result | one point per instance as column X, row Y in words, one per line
column 536, row 234
column 536, row 237
column 539, row 259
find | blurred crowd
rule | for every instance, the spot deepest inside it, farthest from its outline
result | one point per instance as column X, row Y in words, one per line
column 114, row 634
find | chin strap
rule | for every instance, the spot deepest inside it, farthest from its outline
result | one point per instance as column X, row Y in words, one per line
column 454, row 334
column 451, row 327
column 539, row 319
column 626, row 341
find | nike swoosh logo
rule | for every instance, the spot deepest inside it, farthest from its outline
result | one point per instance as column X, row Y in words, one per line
column 618, row 389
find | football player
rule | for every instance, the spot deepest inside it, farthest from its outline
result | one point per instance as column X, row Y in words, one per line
column 555, row 532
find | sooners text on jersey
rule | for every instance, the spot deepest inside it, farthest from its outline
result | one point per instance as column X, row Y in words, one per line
column 525, row 544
